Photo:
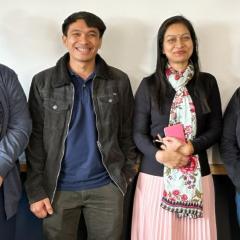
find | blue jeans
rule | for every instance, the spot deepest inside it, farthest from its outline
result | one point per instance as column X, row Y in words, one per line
column 237, row 199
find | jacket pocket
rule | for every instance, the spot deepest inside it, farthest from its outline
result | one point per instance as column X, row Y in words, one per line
column 111, row 99
column 55, row 113
column 109, row 110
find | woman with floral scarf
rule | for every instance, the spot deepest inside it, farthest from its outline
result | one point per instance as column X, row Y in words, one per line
column 174, row 198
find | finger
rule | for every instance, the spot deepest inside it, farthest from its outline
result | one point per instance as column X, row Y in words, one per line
column 38, row 212
column 41, row 214
column 48, row 206
column 165, row 141
column 183, row 163
column 163, row 147
column 169, row 139
column 159, row 137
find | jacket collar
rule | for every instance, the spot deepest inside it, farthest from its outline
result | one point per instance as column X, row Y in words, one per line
column 61, row 74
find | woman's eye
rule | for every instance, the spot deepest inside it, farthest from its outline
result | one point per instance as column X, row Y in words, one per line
column 171, row 40
column 185, row 38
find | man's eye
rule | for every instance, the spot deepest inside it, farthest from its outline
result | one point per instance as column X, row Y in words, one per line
column 75, row 34
column 92, row 34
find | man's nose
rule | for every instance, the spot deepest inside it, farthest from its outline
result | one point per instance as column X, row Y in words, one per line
column 83, row 38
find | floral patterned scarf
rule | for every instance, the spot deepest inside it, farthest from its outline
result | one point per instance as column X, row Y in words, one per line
column 183, row 190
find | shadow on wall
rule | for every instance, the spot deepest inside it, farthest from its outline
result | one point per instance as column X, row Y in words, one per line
column 129, row 44
column 29, row 43
column 219, row 48
column 31, row 35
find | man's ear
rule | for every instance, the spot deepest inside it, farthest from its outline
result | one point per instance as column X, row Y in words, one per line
column 64, row 39
column 100, row 43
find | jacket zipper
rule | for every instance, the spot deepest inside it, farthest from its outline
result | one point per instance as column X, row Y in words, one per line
column 63, row 148
column 99, row 144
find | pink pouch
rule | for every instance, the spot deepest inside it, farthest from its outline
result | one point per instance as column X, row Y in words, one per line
column 176, row 131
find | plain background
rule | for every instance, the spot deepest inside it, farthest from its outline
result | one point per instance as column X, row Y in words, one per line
column 30, row 38
column 30, row 41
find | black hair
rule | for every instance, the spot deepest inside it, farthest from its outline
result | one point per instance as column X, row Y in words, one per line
column 91, row 20
column 159, row 85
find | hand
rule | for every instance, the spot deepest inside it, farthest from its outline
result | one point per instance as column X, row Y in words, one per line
column 171, row 159
column 1, row 180
column 41, row 208
column 177, row 145
column 186, row 149
column 172, row 143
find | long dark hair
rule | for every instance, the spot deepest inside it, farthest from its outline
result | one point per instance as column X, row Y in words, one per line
column 159, row 85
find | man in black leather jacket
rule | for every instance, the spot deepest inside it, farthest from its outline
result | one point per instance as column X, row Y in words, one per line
column 230, row 144
column 81, row 154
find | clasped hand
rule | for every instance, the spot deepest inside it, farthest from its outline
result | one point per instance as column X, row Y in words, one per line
column 175, row 152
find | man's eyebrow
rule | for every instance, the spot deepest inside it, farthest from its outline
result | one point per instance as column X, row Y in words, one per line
column 79, row 30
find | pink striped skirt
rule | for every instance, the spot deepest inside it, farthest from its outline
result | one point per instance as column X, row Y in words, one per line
column 151, row 222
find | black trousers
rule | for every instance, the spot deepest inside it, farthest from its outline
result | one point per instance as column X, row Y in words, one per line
column 7, row 227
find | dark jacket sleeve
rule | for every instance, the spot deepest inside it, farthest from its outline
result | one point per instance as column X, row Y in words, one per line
column 35, row 152
column 142, row 121
column 19, row 125
column 211, row 106
column 230, row 141
column 133, row 157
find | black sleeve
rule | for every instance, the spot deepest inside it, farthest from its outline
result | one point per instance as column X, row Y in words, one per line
column 126, row 136
column 18, row 127
column 142, row 121
column 229, row 146
column 35, row 153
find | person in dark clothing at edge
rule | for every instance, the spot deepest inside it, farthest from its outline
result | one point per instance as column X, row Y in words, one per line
column 230, row 144
column 15, row 129
column 81, row 154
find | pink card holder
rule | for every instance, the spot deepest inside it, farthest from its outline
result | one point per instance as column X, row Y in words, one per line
column 176, row 131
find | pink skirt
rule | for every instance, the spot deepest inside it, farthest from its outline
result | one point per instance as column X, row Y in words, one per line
column 151, row 222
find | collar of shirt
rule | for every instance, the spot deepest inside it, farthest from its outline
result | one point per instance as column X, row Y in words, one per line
column 74, row 75
column 79, row 81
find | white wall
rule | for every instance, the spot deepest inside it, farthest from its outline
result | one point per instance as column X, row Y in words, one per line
column 30, row 38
